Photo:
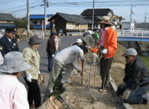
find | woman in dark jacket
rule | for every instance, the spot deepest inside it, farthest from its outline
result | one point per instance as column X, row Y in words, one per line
column 51, row 49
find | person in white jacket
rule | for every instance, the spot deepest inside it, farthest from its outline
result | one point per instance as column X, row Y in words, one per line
column 13, row 94
column 67, row 58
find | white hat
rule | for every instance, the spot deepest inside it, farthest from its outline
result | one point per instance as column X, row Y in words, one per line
column 130, row 51
column 79, row 40
column 90, row 32
column 14, row 62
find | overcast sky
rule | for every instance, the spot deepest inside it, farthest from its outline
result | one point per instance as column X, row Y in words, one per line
column 119, row 7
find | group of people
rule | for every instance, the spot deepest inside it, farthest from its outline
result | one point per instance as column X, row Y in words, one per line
column 13, row 93
column 134, row 90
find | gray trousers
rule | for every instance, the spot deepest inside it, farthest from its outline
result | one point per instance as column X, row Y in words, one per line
column 56, row 69
column 68, row 71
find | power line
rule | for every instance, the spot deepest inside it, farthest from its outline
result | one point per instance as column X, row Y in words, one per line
column 25, row 8
column 17, row 7
column 82, row 3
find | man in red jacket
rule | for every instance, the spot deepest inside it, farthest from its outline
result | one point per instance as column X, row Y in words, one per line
column 108, row 52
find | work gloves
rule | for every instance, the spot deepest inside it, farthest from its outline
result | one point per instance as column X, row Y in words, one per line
column 52, row 55
column 28, row 77
column 89, row 47
column 104, row 51
column 126, row 93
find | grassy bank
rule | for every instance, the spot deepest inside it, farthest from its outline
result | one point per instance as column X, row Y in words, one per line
column 145, row 60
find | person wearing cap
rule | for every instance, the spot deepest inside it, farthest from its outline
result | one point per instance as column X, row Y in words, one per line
column 135, row 83
column 108, row 51
column 31, row 56
column 13, row 94
column 8, row 42
column 66, row 58
column 78, row 42
column 51, row 49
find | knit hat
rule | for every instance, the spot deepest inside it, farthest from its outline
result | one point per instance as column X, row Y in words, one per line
column 34, row 40
column 14, row 62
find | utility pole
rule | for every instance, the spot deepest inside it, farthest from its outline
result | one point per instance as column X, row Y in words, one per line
column 145, row 18
column 131, row 12
column 45, row 16
column 93, row 16
column 28, row 19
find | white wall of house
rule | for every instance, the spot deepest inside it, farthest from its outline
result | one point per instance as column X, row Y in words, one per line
column 126, row 25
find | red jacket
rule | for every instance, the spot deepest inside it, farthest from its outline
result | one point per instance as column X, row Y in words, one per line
column 110, row 42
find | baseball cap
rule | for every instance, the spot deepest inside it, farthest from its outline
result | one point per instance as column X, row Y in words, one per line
column 131, row 52
column 79, row 40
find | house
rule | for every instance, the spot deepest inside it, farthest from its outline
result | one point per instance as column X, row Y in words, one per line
column 37, row 21
column 6, row 21
column 70, row 23
column 99, row 14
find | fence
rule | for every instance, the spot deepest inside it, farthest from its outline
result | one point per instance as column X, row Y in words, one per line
column 40, row 33
column 133, row 33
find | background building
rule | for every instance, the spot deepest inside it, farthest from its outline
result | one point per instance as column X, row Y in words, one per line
column 70, row 23
column 6, row 21
column 38, row 20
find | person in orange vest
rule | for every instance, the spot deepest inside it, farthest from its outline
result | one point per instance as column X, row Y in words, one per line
column 108, row 52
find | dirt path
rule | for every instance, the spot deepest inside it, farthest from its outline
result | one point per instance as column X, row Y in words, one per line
column 78, row 97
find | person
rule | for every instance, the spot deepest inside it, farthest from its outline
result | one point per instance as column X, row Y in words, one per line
column 31, row 56
column 66, row 58
column 13, row 94
column 135, row 83
column 108, row 51
column 8, row 43
column 102, row 33
column 88, row 39
column 59, row 42
column 78, row 42
column 52, row 47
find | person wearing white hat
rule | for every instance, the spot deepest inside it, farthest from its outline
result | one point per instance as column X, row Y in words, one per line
column 66, row 58
column 79, row 42
column 31, row 56
column 13, row 94
column 135, row 86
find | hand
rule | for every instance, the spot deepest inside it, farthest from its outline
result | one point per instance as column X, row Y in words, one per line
column 39, row 72
column 53, row 55
column 41, row 78
column 126, row 93
column 29, row 77
column 89, row 47
column 104, row 51
column 81, row 74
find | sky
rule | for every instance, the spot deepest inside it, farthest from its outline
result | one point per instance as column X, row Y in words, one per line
column 119, row 7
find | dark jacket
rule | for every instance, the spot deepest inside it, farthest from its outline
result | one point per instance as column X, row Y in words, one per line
column 8, row 46
column 136, row 74
column 51, row 49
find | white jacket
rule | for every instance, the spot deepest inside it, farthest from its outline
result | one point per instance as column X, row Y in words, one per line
column 13, row 94
column 70, row 55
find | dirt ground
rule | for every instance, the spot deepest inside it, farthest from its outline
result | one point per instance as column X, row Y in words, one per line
column 80, row 96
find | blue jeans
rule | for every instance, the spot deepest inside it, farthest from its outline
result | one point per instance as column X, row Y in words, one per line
column 139, row 95
column 50, row 63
